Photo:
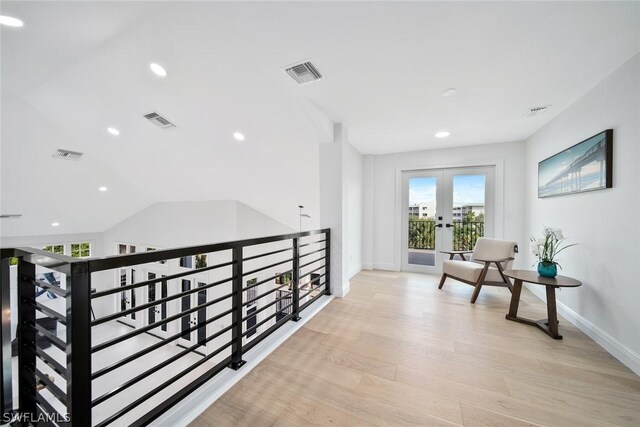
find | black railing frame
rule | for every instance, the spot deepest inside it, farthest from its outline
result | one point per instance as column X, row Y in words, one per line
column 79, row 322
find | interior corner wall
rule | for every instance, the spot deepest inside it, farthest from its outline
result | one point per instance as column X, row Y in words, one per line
column 382, row 188
column 604, row 223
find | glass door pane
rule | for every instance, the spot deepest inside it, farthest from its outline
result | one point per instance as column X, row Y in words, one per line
column 468, row 210
column 421, row 231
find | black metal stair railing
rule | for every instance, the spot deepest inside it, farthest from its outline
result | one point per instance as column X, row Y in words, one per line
column 84, row 371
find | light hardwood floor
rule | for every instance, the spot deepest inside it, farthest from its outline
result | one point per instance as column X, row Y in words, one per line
column 398, row 351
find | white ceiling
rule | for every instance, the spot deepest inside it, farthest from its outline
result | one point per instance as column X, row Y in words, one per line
column 77, row 67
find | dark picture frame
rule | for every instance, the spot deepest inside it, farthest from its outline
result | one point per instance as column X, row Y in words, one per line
column 583, row 167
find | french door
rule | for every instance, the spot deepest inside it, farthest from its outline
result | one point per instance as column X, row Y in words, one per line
column 187, row 302
column 158, row 312
column 444, row 210
column 127, row 276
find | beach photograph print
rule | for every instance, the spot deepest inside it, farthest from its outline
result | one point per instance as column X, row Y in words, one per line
column 587, row 166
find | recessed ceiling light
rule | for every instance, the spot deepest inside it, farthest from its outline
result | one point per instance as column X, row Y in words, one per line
column 158, row 69
column 55, row 224
column 103, row 188
column 10, row 21
column 238, row 136
column 113, row 131
column 442, row 134
column 449, row 92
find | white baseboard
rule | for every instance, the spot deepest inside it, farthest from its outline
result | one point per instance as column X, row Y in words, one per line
column 389, row 266
column 367, row 266
column 621, row 352
column 197, row 402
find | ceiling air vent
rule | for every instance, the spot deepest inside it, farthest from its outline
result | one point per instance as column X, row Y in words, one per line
column 304, row 72
column 61, row 153
column 162, row 122
column 535, row 111
column 3, row 216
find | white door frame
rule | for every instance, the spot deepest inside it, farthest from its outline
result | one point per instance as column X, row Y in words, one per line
column 498, row 164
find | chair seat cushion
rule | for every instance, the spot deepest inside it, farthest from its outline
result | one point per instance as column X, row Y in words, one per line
column 470, row 271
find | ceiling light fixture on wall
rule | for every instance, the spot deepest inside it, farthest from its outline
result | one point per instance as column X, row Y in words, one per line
column 10, row 21
column 449, row 92
column 113, row 131
column 238, row 136
column 158, row 69
column 103, row 189
column 442, row 134
column 55, row 224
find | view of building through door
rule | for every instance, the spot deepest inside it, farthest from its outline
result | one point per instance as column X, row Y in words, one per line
column 443, row 210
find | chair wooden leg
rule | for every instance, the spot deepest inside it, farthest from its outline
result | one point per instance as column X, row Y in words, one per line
column 442, row 279
column 476, row 290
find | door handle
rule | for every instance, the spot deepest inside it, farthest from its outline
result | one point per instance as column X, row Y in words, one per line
column 438, row 225
column 449, row 225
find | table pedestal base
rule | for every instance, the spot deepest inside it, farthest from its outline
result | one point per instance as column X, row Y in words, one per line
column 548, row 326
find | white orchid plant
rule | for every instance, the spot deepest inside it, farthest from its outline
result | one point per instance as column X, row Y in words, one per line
column 546, row 248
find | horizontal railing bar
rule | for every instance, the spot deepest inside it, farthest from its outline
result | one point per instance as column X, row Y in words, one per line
column 50, row 410
column 261, row 309
column 257, row 270
column 266, row 254
column 176, row 397
column 315, row 279
column 266, row 280
column 118, row 261
column 50, row 288
column 312, row 262
column 311, row 253
column 157, row 302
column 162, row 386
column 51, row 337
column 311, row 301
column 49, row 360
column 264, row 294
column 57, row 262
column 156, row 346
column 143, row 329
column 47, row 311
column 312, row 271
column 311, row 243
column 51, row 387
column 117, row 289
column 319, row 288
column 157, row 367
column 263, row 321
column 271, row 329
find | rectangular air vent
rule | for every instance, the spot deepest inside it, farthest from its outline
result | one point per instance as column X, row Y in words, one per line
column 162, row 122
column 61, row 153
column 535, row 111
column 304, row 72
column 3, row 216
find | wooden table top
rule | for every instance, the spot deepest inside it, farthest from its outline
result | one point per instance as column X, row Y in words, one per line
column 533, row 277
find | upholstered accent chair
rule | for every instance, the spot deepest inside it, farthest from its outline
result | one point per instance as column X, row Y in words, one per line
column 489, row 259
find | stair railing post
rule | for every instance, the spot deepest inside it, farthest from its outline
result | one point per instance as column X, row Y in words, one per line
column 6, row 402
column 26, row 336
column 327, row 263
column 236, row 314
column 79, row 344
column 296, row 280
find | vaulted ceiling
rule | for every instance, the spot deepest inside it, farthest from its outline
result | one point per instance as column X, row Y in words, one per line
column 76, row 68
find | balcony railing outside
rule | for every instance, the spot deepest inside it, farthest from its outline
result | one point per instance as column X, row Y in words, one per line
column 301, row 258
column 422, row 234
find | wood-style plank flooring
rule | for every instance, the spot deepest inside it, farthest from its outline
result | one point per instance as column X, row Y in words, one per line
column 397, row 351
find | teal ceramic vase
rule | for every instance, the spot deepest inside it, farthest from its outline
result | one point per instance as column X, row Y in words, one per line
column 547, row 269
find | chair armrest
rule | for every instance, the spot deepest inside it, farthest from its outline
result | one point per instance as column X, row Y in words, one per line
column 456, row 252
column 494, row 260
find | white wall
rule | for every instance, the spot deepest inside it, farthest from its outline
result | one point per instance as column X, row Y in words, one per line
column 382, row 187
column 603, row 223
column 353, row 175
